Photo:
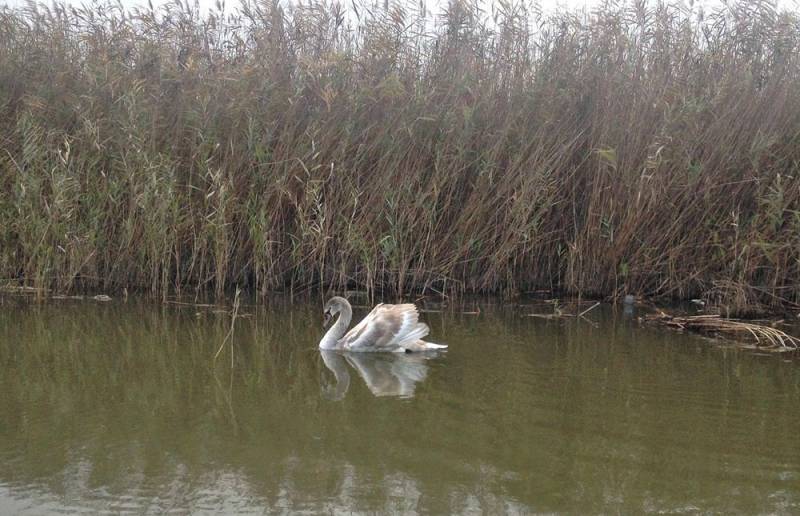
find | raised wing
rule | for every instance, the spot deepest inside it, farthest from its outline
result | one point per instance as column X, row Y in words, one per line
column 386, row 328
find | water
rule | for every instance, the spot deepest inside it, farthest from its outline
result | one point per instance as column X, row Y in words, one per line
column 119, row 408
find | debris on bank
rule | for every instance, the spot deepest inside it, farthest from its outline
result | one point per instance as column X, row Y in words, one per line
column 19, row 289
column 760, row 336
column 46, row 294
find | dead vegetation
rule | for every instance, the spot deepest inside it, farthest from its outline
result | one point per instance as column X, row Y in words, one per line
column 760, row 336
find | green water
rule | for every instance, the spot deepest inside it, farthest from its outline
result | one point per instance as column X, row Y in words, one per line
column 118, row 407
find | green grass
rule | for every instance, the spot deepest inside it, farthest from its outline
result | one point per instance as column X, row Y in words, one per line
column 637, row 149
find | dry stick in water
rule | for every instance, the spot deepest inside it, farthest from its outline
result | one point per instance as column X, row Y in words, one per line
column 588, row 309
column 560, row 315
column 229, row 336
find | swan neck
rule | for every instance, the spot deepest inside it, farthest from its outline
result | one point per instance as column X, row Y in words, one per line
column 339, row 328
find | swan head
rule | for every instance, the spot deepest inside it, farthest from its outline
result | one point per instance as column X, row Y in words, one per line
column 334, row 305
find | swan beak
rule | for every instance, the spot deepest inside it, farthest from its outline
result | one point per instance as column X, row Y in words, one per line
column 326, row 320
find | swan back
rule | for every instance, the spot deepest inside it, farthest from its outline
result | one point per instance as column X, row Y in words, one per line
column 386, row 328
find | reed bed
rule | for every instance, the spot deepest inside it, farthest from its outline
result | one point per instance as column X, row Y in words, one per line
column 644, row 148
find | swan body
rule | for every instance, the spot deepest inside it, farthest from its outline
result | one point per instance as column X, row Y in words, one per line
column 394, row 328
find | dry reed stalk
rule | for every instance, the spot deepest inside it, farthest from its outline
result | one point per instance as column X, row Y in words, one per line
column 764, row 337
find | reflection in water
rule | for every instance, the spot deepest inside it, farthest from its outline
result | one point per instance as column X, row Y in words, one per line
column 119, row 408
column 386, row 374
column 336, row 364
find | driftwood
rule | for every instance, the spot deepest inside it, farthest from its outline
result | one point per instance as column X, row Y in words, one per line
column 759, row 336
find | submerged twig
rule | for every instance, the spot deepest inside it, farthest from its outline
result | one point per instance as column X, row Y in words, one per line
column 229, row 337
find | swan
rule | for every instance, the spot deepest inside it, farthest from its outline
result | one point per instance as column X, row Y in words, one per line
column 386, row 328
column 385, row 374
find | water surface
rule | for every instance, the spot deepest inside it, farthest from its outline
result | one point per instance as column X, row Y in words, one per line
column 119, row 407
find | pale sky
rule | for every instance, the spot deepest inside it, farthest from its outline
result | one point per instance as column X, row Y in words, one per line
column 547, row 5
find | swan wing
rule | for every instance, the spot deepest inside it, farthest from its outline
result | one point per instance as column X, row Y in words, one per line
column 386, row 328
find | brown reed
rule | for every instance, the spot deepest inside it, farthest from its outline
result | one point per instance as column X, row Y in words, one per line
column 640, row 148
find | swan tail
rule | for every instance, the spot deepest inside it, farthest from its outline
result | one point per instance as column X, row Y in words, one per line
column 412, row 335
column 421, row 345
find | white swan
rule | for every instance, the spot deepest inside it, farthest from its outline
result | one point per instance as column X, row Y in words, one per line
column 386, row 328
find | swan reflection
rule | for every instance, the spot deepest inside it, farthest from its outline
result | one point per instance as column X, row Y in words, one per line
column 386, row 374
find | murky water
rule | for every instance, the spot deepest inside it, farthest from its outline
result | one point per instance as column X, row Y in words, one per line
column 120, row 408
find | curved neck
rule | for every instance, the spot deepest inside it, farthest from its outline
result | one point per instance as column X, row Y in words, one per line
column 338, row 329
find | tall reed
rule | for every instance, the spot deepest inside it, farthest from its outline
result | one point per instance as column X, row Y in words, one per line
column 638, row 148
